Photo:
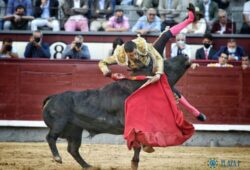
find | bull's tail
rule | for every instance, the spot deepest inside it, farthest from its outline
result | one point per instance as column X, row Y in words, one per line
column 46, row 101
column 48, row 119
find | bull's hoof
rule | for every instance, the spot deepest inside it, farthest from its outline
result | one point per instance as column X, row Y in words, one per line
column 58, row 159
column 148, row 149
column 134, row 165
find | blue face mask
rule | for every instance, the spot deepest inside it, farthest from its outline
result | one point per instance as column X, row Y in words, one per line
column 119, row 19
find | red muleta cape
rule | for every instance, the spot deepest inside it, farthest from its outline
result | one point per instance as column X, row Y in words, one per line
column 152, row 117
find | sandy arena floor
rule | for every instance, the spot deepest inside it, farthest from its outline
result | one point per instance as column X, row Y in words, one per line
column 37, row 156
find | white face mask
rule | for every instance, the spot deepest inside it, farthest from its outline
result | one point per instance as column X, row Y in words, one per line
column 231, row 50
column 181, row 43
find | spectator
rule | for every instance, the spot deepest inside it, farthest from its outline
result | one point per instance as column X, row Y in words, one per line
column 36, row 48
column 118, row 23
column 199, row 26
column 100, row 11
column 2, row 13
column 223, row 25
column 46, row 14
column 222, row 61
column 7, row 49
column 233, row 51
column 17, row 21
column 116, row 42
column 74, row 11
column 148, row 23
column 245, row 63
column 11, row 11
column 77, row 50
column 180, row 47
column 206, row 52
column 245, row 29
column 169, row 12
column 210, row 11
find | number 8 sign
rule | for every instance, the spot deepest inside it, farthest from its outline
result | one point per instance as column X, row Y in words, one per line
column 57, row 49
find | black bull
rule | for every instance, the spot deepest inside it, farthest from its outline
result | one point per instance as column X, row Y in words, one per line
column 97, row 111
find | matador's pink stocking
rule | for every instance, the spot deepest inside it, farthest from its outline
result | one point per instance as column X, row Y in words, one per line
column 177, row 28
column 183, row 101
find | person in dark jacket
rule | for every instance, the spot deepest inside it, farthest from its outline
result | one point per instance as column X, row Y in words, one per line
column 46, row 14
column 19, row 20
column 233, row 51
column 36, row 48
column 206, row 52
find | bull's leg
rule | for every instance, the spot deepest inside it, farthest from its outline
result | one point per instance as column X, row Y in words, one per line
column 136, row 158
column 51, row 139
column 74, row 143
column 52, row 136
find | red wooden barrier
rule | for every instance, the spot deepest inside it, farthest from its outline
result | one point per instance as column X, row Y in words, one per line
column 223, row 94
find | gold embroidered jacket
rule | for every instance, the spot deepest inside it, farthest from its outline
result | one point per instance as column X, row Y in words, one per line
column 146, row 53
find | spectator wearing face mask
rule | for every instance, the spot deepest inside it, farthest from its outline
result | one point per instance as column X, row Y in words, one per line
column 233, row 51
column 206, row 52
column 180, row 47
column 118, row 22
column 77, row 50
column 36, row 48
column 7, row 49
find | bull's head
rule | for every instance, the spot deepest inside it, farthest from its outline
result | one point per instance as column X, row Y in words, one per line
column 175, row 68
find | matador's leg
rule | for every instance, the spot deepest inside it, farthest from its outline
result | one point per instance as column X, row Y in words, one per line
column 183, row 101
